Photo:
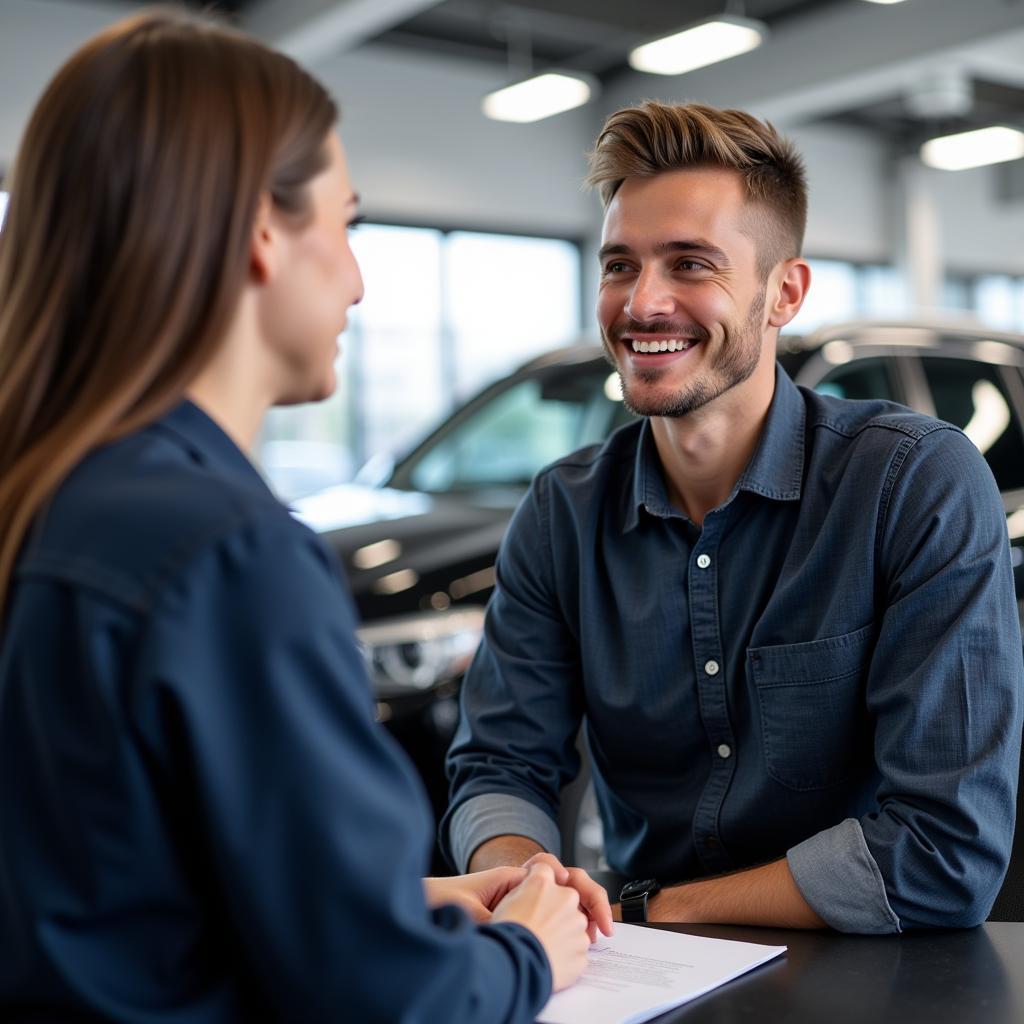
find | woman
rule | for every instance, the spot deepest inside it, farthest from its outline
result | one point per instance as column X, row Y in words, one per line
column 199, row 820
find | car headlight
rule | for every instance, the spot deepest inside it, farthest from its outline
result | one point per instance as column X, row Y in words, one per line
column 415, row 653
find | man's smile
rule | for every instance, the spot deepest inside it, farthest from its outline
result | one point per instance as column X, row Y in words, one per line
column 656, row 349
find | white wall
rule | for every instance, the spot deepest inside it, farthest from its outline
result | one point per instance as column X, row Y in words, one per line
column 421, row 149
column 979, row 232
column 36, row 37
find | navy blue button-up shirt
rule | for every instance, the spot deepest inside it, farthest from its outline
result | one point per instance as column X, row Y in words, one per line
column 830, row 669
column 200, row 820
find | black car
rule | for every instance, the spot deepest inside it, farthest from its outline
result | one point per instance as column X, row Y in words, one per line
column 419, row 545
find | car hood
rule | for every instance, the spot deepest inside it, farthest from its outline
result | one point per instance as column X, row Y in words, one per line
column 402, row 548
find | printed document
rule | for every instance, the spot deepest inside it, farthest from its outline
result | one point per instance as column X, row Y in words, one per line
column 641, row 972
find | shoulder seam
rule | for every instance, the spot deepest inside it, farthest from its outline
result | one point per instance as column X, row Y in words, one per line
column 922, row 428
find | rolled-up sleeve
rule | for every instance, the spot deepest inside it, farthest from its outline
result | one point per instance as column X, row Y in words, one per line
column 944, row 694
column 521, row 702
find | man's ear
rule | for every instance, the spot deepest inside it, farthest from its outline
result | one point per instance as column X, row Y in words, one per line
column 264, row 243
column 787, row 289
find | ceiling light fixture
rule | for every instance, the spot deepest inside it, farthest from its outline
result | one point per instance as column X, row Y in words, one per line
column 885, row 1
column 707, row 42
column 539, row 96
column 974, row 149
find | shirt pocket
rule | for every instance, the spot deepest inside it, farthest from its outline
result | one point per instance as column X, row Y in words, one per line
column 814, row 722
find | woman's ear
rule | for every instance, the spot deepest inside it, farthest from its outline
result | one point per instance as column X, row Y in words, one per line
column 788, row 286
column 264, row 244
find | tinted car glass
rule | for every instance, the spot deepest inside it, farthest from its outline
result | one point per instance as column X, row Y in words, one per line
column 972, row 396
column 531, row 423
column 860, row 378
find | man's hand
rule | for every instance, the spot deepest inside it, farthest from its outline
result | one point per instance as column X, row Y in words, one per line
column 552, row 913
column 593, row 898
column 478, row 893
column 522, row 852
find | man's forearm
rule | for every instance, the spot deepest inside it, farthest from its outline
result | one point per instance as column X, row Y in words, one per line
column 765, row 895
column 503, row 851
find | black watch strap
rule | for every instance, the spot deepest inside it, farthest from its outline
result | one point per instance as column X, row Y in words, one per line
column 634, row 897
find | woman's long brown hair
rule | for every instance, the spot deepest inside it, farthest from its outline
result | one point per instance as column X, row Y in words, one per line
column 127, row 236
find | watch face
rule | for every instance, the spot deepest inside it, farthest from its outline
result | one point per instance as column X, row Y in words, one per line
column 633, row 889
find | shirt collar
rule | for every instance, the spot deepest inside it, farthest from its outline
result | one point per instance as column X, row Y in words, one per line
column 777, row 468
column 208, row 444
column 775, row 471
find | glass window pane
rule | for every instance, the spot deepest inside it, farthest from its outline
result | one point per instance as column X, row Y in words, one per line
column 398, row 327
column 508, row 298
column 971, row 395
column 389, row 373
column 884, row 292
column 996, row 301
column 832, row 297
column 438, row 320
column 957, row 293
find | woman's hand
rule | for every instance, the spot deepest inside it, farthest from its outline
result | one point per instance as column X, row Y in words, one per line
column 593, row 898
column 478, row 894
column 552, row 912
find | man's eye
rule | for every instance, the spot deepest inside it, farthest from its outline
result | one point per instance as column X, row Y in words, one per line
column 691, row 265
column 355, row 222
column 616, row 267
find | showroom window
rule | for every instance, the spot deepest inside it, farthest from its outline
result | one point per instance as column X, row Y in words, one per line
column 444, row 313
column 841, row 290
column 999, row 301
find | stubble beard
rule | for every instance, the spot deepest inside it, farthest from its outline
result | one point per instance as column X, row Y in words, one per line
column 734, row 364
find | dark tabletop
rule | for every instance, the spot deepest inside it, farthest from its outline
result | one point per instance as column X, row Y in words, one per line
column 974, row 976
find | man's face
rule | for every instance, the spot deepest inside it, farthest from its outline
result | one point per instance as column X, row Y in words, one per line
column 680, row 276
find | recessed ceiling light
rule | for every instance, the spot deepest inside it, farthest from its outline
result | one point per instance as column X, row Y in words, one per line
column 538, row 97
column 705, row 43
column 885, row 1
column 973, row 149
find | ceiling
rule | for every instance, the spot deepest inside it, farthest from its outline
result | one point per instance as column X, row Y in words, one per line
column 595, row 36
column 581, row 35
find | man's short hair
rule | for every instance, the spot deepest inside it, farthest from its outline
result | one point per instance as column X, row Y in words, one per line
column 654, row 137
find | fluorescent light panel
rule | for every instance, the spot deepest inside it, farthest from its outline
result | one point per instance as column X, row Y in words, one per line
column 973, row 149
column 536, row 98
column 885, row 1
column 706, row 43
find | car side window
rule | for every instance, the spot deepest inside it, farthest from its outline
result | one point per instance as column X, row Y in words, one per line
column 518, row 432
column 972, row 396
column 859, row 378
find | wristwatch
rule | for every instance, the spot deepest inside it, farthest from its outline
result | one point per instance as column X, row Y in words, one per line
column 633, row 899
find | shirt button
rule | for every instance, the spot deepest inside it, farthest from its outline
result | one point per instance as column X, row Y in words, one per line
column 711, row 667
column 724, row 750
column 703, row 561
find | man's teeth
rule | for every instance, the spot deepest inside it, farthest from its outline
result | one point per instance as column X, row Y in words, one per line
column 672, row 345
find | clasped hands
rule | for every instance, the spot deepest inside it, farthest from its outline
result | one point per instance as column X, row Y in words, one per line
column 479, row 893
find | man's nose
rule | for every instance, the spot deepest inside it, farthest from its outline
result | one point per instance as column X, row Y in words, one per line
column 650, row 298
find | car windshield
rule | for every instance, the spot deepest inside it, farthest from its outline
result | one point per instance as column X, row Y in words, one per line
column 502, row 440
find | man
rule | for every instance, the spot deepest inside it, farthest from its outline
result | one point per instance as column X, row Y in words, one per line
column 787, row 620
